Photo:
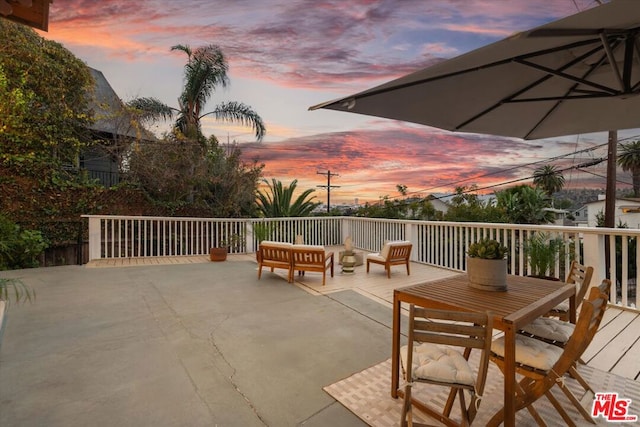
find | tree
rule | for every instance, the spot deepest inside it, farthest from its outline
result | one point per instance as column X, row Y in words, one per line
column 205, row 70
column 549, row 178
column 524, row 204
column 44, row 110
column 466, row 206
column 176, row 174
column 230, row 183
column 629, row 160
column 279, row 201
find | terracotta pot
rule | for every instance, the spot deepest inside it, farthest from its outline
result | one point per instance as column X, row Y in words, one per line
column 487, row 274
column 218, row 254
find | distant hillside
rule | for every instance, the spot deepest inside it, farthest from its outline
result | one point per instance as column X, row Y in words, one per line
column 579, row 197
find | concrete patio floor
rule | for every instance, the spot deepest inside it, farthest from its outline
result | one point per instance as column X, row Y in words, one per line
column 182, row 345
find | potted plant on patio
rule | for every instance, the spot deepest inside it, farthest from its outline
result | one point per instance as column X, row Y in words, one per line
column 262, row 231
column 487, row 265
column 543, row 253
column 219, row 253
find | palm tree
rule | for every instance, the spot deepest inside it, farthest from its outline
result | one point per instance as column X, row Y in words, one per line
column 279, row 202
column 523, row 204
column 629, row 160
column 205, row 70
column 548, row 178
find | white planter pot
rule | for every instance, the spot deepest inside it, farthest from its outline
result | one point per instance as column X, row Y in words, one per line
column 487, row 274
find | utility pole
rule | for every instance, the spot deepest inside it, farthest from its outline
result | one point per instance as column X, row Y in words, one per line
column 328, row 186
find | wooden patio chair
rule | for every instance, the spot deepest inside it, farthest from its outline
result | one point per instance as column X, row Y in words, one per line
column 312, row 258
column 392, row 253
column 581, row 277
column 275, row 255
column 558, row 332
column 445, row 341
column 544, row 365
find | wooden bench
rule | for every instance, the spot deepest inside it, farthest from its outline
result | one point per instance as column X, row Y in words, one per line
column 275, row 255
column 392, row 253
column 312, row 258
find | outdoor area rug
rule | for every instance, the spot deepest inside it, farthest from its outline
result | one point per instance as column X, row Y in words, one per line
column 367, row 395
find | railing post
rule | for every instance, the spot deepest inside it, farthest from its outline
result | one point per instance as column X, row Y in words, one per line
column 94, row 238
column 594, row 255
column 408, row 235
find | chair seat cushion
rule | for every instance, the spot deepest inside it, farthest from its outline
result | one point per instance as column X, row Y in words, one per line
column 550, row 329
column 562, row 307
column 376, row 257
column 438, row 363
column 530, row 352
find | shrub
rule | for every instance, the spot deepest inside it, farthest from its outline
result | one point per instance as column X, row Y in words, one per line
column 19, row 248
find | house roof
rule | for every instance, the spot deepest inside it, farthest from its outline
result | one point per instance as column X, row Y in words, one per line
column 36, row 15
column 109, row 112
column 619, row 199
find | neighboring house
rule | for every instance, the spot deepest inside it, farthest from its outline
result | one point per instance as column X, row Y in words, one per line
column 580, row 216
column 440, row 205
column 114, row 129
column 560, row 216
column 627, row 211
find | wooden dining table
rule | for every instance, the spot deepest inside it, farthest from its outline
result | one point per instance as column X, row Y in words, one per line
column 525, row 299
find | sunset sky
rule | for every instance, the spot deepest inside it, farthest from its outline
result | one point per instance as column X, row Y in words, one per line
column 286, row 55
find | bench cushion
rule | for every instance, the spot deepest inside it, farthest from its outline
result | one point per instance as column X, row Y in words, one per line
column 276, row 244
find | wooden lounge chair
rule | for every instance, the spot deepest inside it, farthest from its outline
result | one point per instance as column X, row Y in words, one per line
column 392, row 253
column 544, row 365
column 312, row 258
column 275, row 255
column 445, row 341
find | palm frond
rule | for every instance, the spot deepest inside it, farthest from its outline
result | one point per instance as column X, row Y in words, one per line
column 237, row 112
column 15, row 290
column 151, row 109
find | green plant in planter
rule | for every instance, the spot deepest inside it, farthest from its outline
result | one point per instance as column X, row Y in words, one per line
column 263, row 231
column 487, row 249
column 487, row 265
column 543, row 253
column 233, row 241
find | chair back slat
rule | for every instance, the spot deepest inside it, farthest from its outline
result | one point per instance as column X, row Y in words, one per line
column 445, row 327
column 444, row 339
column 581, row 277
column 308, row 256
column 449, row 328
column 399, row 252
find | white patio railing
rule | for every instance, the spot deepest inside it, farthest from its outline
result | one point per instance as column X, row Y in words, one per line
column 441, row 244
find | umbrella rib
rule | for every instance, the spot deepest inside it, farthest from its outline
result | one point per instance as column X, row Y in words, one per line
column 566, row 76
column 522, row 60
column 612, row 61
column 566, row 96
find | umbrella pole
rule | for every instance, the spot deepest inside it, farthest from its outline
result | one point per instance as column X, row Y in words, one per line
column 610, row 195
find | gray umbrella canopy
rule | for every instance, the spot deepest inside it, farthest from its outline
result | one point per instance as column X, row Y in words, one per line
column 576, row 75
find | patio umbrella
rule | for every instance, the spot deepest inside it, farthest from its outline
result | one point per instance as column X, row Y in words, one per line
column 576, row 75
